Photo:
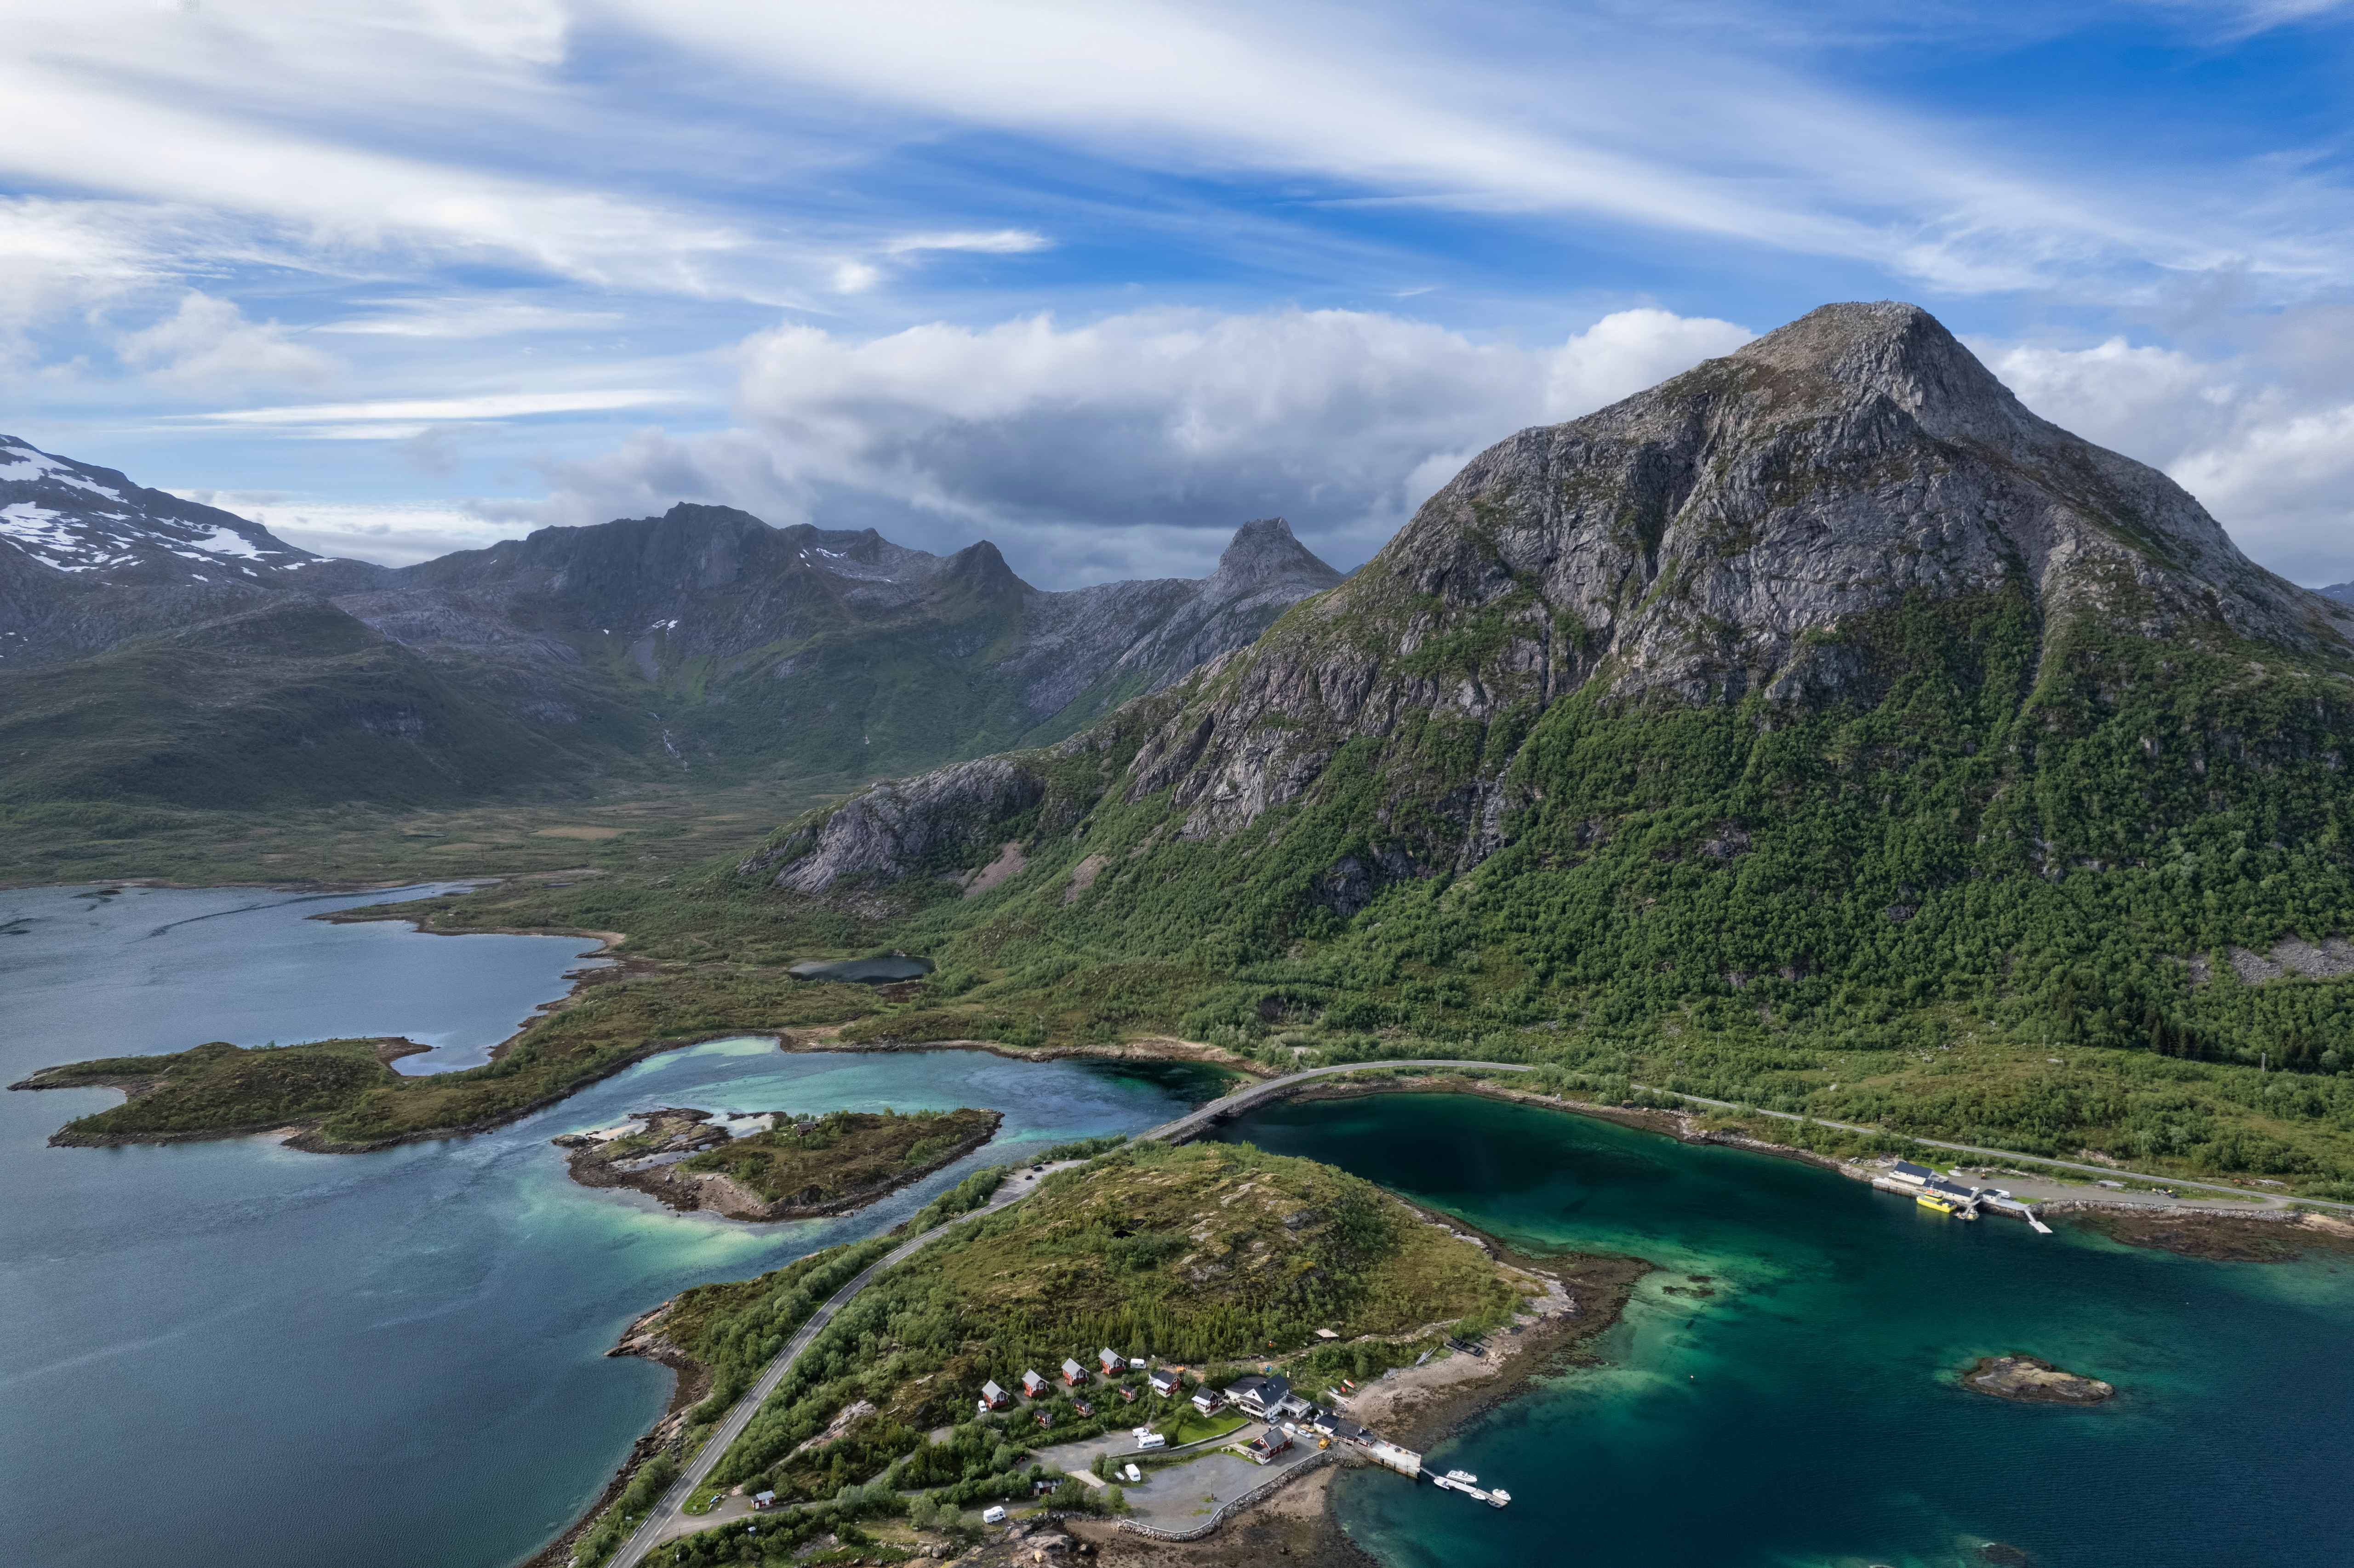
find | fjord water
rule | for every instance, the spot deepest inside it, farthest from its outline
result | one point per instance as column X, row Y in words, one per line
column 231, row 1352
column 1806, row 1414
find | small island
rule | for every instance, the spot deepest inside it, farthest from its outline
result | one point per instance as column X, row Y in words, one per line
column 221, row 1090
column 2027, row 1379
column 775, row 1165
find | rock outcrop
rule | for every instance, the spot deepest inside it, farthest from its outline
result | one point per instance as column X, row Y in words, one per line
column 895, row 829
column 2034, row 1382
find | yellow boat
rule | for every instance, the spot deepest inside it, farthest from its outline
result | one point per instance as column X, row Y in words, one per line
column 1931, row 1201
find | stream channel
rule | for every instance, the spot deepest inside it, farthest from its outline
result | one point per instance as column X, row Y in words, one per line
column 229, row 1353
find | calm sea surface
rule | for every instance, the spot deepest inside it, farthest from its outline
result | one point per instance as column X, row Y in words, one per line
column 229, row 1353
column 1805, row 1414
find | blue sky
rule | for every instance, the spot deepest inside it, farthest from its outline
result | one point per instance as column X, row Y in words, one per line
column 1101, row 281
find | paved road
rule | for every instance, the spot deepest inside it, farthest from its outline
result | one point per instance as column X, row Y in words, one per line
column 668, row 1517
column 1253, row 1094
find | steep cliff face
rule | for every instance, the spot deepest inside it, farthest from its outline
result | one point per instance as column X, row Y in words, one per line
column 1767, row 529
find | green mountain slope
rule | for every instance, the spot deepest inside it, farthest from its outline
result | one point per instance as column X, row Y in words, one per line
column 1819, row 729
column 291, row 703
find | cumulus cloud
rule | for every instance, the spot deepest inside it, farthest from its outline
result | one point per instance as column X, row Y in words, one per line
column 2262, row 434
column 208, row 345
column 1130, row 445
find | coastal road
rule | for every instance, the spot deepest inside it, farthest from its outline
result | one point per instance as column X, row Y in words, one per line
column 1250, row 1097
column 668, row 1517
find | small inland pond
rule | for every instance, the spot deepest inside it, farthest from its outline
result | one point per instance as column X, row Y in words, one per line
column 1807, row 1414
column 866, row 971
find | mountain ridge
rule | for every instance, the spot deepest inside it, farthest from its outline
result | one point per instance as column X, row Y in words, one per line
column 1996, row 769
column 702, row 638
column 1701, row 541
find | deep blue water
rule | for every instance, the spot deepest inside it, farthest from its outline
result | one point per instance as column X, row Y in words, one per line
column 232, row 1353
column 1806, row 1415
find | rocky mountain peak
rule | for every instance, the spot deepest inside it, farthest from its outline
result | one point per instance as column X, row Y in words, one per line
column 1903, row 353
column 1263, row 552
column 1751, row 528
column 93, row 525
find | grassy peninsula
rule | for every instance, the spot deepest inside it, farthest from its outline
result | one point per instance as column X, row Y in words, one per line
column 352, row 1101
column 1203, row 1254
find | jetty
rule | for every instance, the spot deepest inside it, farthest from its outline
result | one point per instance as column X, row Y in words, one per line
column 1466, row 1483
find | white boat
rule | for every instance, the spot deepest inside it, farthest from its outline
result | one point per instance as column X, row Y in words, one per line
column 1466, row 1483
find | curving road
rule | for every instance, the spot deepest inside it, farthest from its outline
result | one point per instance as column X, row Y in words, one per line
column 668, row 1516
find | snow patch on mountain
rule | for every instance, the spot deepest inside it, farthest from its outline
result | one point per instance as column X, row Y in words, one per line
column 97, row 526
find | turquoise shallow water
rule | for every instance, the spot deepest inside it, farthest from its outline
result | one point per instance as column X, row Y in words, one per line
column 229, row 1353
column 1805, row 1414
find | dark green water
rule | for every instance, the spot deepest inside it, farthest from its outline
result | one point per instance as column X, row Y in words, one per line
column 866, row 971
column 1805, row 1414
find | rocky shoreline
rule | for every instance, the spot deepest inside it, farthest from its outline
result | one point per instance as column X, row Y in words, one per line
column 643, row 1338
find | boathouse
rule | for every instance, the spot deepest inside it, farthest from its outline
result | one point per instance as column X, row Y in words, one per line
column 1912, row 1175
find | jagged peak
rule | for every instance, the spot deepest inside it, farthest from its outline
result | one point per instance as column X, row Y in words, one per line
column 1265, row 549
column 1902, row 352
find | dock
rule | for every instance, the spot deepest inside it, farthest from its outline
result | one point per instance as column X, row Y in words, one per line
column 1466, row 1483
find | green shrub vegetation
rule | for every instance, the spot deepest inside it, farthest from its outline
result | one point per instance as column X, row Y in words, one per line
column 1197, row 1254
column 842, row 1151
column 357, row 1101
column 2000, row 895
column 222, row 1088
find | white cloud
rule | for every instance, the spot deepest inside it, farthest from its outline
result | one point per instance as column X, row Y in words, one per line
column 391, row 533
column 1613, row 115
column 287, row 118
column 1150, row 436
column 209, row 346
column 1628, row 351
column 464, row 318
column 994, row 243
column 402, row 418
column 2263, row 437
